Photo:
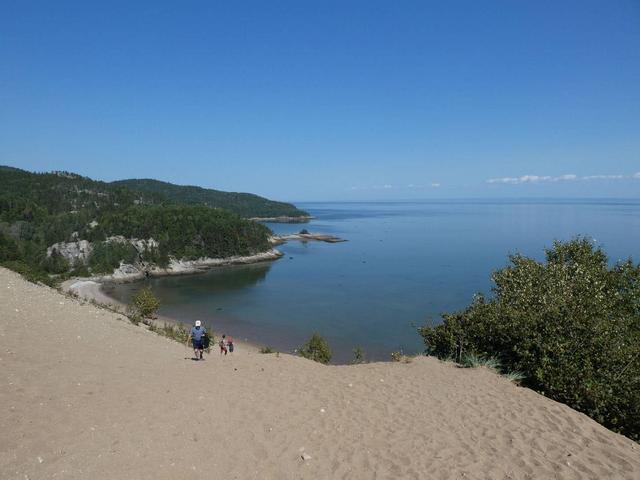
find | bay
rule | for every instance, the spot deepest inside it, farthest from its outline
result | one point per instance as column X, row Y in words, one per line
column 404, row 264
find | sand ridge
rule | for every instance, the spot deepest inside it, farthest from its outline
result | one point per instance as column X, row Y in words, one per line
column 86, row 394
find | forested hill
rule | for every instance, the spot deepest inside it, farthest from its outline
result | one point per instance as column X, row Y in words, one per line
column 61, row 223
column 246, row 205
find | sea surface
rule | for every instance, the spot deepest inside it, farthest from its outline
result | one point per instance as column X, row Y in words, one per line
column 404, row 264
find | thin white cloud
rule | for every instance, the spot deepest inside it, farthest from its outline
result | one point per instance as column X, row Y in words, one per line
column 389, row 186
column 533, row 179
column 561, row 178
column 603, row 177
column 565, row 178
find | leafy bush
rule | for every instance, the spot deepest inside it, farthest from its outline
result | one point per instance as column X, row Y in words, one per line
column 358, row 355
column 55, row 263
column 316, row 349
column 145, row 303
column 267, row 350
column 30, row 273
column 570, row 325
column 134, row 317
column 80, row 270
column 8, row 248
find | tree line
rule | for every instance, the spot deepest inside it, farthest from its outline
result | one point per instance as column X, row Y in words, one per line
column 39, row 210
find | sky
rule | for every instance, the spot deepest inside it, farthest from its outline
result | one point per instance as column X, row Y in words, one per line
column 328, row 100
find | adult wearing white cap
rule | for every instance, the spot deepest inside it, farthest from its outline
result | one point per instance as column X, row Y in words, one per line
column 197, row 336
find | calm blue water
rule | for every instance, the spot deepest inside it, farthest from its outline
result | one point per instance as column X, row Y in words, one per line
column 404, row 264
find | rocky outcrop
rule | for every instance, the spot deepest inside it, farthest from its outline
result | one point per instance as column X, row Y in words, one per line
column 73, row 252
column 141, row 245
column 320, row 237
column 128, row 273
column 80, row 250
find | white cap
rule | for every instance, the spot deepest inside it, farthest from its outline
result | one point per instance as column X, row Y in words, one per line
column 198, row 323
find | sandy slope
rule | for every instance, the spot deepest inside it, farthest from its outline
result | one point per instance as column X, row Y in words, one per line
column 88, row 395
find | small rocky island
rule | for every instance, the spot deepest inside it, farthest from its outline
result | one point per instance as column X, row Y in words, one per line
column 306, row 236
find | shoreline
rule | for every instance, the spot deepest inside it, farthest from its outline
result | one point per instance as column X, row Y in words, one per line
column 91, row 291
column 90, row 288
column 131, row 273
column 283, row 219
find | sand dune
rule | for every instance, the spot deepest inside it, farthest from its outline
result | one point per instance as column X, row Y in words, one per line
column 88, row 395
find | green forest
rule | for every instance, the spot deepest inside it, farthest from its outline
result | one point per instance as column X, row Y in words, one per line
column 38, row 210
column 246, row 205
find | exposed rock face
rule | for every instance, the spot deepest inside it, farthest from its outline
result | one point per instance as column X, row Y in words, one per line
column 142, row 245
column 80, row 250
column 139, row 244
column 73, row 252
column 320, row 237
column 127, row 272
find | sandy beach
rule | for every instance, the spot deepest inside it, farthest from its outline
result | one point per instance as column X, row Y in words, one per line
column 86, row 394
column 91, row 291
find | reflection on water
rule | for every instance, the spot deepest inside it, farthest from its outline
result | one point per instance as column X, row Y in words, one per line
column 404, row 263
column 183, row 288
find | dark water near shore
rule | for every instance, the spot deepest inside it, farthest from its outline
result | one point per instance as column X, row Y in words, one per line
column 404, row 264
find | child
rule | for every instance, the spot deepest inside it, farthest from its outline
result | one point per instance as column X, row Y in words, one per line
column 223, row 345
column 230, row 344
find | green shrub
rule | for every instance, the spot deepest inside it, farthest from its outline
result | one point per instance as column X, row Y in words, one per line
column 400, row 357
column 267, row 350
column 8, row 248
column 145, row 303
column 80, row 270
column 516, row 377
column 358, row 355
column 31, row 273
column 55, row 263
column 473, row 360
column 134, row 317
column 157, row 256
column 316, row 349
column 570, row 325
column 177, row 332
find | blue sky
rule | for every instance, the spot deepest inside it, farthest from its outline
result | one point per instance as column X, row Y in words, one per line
column 328, row 100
